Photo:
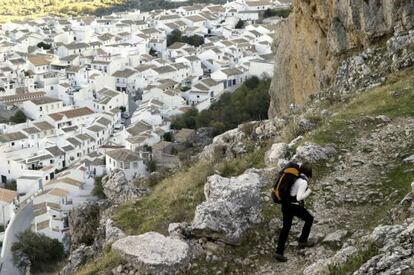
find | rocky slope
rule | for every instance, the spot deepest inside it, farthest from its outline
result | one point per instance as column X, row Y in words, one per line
column 320, row 34
column 215, row 217
column 362, row 149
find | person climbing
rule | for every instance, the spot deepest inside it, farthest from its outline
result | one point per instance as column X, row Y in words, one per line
column 290, row 190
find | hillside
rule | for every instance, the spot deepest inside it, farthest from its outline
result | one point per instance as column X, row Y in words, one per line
column 21, row 9
column 214, row 215
column 354, row 191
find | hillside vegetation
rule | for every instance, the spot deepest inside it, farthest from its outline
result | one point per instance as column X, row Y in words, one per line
column 21, row 9
column 175, row 198
column 249, row 102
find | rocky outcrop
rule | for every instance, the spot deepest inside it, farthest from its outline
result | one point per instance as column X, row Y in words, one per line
column 239, row 141
column 321, row 33
column 314, row 153
column 77, row 258
column 153, row 253
column 83, row 223
column 275, row 153
column 118, row 189
column 232, row 205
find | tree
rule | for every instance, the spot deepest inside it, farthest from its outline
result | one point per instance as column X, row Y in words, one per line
column 153, row 52
column 98, row 189
column 174, row 36
column 44, row 46
column 18, row 117
column 151, row 165
column 168, row 136
column 240, row 24
column 41, row 250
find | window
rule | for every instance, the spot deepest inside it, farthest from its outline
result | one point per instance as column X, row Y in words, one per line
column 40, row 108
column 51, row 161
column 12, row 143
column 51, row 88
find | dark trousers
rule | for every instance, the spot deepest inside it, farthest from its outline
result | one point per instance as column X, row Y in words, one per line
column 289, row 211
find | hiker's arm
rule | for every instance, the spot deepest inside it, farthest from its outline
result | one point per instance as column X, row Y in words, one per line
column 303, row 191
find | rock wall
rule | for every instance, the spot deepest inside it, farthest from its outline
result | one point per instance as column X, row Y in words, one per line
column 319, row 34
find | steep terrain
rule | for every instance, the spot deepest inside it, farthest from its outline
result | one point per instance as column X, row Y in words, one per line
column 319, row 34
column 215, row 215
column 358, row 143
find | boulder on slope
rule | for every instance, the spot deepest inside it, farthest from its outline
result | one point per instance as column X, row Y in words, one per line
column 153, row 253
column 232, row 205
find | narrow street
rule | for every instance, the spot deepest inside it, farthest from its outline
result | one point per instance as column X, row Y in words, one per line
column 22, row 222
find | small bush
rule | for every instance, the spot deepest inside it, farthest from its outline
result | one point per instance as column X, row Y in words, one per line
column 42, row 251
column 240, row 24
column 19, row 117
column 151, row 166
column 284, row 13
column 98, row 188
column 168, row 136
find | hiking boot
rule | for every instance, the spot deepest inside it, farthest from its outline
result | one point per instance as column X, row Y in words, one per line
column 280, row 257
column 309, row 243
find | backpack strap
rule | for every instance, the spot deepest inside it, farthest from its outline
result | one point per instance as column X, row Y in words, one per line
column 289, row 170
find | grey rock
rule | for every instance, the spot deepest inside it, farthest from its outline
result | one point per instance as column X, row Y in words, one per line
column 336, row 237
column 118, row 189
column 275, row 153
column 77, row 258
column 321, row 266
column 409, row 159
column 314, row 153
column 232, row 205
column 153, row 253
column 112, row 233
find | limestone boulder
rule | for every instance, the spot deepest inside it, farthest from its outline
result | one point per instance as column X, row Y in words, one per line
column 314, row 153
column 118, row 189
column 153, row 253
column 232, row 205
column 275, row 153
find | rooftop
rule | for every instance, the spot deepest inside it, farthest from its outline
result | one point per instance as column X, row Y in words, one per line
column 124, row 155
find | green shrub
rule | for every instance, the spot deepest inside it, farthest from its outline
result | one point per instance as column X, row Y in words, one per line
column 98, row 188
column 284, row 13
column 42, row 251
column 240, row 24
column 249, row 102
column 19, row 117
column 176, row 36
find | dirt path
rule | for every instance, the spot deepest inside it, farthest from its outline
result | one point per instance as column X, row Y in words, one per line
column 354, row 195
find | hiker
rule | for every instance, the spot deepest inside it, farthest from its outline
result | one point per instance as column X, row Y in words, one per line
column 293, row 204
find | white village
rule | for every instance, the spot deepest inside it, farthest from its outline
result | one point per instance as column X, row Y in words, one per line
column 98, row 94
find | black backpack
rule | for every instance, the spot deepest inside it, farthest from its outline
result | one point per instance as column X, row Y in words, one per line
column 284, row 182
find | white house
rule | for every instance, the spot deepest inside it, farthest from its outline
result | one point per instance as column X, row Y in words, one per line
column 231, row 77
column 40, row 107
column 130, row 162
column 8, row 200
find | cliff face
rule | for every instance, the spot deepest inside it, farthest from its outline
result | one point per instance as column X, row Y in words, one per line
column 319, row 34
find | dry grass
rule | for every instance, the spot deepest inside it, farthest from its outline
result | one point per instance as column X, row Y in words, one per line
column 102, row 265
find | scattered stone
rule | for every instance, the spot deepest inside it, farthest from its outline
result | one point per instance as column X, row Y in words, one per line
column 321, row 265
column 277, row 152
column 409, row 159
column 77, row 258
column 383, row 119
column 153, row 253
column 112, row 233
column 118, row 189
column 314, row 153
column 335, row 238
column 295, row 142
